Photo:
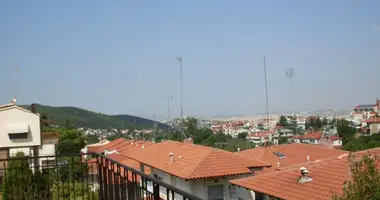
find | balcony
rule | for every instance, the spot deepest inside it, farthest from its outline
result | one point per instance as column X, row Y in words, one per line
column 71, row 177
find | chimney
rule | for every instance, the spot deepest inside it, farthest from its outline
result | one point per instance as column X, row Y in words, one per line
column 238, row 149
column 142, row 146
column 33, row 108
column 171, row 157
column 378, row 104
column 304, row 176
column 308, row 158
column 278, row 166
column 188, row 141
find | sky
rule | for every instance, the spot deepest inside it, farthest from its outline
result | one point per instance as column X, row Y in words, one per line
column 117, row 57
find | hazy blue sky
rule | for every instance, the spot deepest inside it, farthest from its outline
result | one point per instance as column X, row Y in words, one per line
column 117, row 57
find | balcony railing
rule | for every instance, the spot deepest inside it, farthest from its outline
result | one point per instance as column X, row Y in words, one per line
column 71, row 177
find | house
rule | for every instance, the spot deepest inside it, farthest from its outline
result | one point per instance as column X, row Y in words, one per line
column 309, row 138
column 282, row 132
column 318, row 180
column 114, row 150
column 259, row 138
column 373, row 125
column 288, row 154
column 365, row 111
column 332, row 141
column 199, row 170
column 19, row 128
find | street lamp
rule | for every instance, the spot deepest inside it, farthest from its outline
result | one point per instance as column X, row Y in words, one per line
column 180, row 78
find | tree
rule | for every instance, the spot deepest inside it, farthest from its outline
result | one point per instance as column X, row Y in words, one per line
column 283, row 140
column 92, row 139
column 70, row 141
column 260, row 126
column 283, row 121
column 242, row 135
column 21, row 183
column 365, row 183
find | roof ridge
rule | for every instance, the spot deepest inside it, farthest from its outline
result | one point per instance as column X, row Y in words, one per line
column 200, row 163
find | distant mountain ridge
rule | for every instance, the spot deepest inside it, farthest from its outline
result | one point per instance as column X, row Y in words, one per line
column 89, row 119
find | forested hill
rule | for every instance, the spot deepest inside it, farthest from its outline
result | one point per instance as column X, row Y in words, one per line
column 88, row 119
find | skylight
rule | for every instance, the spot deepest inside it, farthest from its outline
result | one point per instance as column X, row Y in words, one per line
column 279, row 154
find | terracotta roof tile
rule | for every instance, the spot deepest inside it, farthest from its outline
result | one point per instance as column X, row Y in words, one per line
column 293, row 154
column 192, row 161
column 328, row 176
column 372, row 120
column 113, row 143
column 312, row 135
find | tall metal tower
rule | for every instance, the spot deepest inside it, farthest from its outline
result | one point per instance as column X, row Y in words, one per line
column 180, row 80
column 266, row 91
column 290, row 74
column 169, row 99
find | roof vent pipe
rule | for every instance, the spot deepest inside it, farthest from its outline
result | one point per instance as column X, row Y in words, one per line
column 171, row 157
column 308, row 159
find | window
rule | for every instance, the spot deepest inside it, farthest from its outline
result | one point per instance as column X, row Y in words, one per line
column 279, row 154
column 18, row 136
column 215, row 192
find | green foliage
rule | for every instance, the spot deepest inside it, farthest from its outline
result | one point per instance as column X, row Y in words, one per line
column 260, row 126
column 242, row 135
column 282, row 121
column 362, row 142
column 88, row 119
column 345, row 130
column 314, row 124
column 70, row 141
column 21, row 183
column 92, row 139
column 74, row 191
column 283, row 140
column 365, row 184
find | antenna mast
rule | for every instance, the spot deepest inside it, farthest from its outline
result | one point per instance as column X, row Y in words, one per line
column 168, row 99
column 266, row 91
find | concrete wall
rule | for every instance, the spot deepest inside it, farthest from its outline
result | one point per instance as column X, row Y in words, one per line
column 199, row 187
column 16, row 116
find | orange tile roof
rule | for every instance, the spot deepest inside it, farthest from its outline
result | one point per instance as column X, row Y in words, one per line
column 113, row 143
column 294, row 154
column 94, row 149
column 312, row 135
column 328, row 176
column 193, row 161
column 372, row 120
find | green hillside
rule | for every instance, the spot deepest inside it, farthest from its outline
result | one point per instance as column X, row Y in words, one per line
column 88, row 119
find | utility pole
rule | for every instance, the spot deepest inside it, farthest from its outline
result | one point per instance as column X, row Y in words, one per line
column 168, row 99
column 266, row 91
column 180, row 80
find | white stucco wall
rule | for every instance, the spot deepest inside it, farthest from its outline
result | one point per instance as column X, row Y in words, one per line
column 199, row 187
column 14, row 116
column 47, row 150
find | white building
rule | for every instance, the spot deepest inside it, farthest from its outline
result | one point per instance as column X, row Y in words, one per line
column 19, row 127
column 310, row 138
column 20, row 131
column 283, row 132
column 260, row 137
column 202, row 171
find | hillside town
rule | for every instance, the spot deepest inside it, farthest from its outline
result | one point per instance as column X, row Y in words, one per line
column 300, row 155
